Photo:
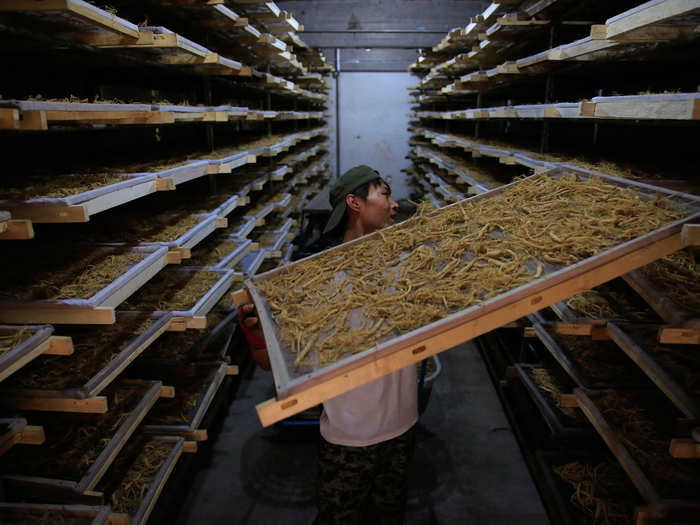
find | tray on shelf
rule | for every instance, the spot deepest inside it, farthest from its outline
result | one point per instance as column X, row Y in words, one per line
column 564, row 422
column 15, row 431
column 79, row 449
column 137, row 477
column 20, row 344
column 101, row 354
column 119, row 271
column 195, row 388
column 637, row 428
column 183, row 292
column 221, row 252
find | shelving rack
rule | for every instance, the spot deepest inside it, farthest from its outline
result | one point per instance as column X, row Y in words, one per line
column 528, row 86
column 171, row 129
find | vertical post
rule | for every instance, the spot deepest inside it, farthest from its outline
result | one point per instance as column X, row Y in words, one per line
column 209, row 130
column 595, row 125
column 268, row 105
column 337, row 111
column 548, row 91
column 477, row 124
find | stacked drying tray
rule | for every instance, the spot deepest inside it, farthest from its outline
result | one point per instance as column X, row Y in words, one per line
column 137, row 182
column 529, row 86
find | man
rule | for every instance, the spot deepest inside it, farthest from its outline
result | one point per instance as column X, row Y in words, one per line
column 367, row 437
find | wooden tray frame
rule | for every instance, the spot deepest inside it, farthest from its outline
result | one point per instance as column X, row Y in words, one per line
column 646, row 362
column 627, row 462
column 101, row 464
column 554, row 418
column 296, row 395
column 27, row 350
column 100, row 515
column 99, row 308
column 216, row 378
column 107, row 374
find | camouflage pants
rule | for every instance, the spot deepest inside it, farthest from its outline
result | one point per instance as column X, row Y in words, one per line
column 363, row 485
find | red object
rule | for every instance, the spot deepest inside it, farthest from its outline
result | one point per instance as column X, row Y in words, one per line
column 255, row 340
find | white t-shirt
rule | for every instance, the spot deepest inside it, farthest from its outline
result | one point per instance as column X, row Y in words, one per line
column 372, row 413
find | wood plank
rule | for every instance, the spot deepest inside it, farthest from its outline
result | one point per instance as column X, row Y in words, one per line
column 661, row 304
column 93, row 405
column 59, row 345
column 52, row 214
column 684, row 449
column 167, row 392
column 690, row 235
column 32, row 435
column 679, row 336
column 17, row 230
column 189, row 447
column 650, row 13
column 197, row 435
column 54, row 315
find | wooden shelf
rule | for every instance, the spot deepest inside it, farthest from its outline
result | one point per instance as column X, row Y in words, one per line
column 654, row 107
column 29, row 512
column 99, row 307
column 639, row 473
column 43, row 467
column 128, row 468
column 104, row 354
column 195, row 388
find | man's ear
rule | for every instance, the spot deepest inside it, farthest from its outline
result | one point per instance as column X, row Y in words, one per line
column 352, row 202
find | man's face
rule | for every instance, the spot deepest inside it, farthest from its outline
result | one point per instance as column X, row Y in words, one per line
column 378, row 209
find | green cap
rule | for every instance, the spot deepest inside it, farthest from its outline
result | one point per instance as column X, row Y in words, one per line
column 346, row 183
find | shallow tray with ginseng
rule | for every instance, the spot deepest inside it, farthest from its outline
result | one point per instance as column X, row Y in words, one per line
column 80, row 447
column 74, row 198
column 207, row 344
column 583, row 487
column 547, row 387
column 358, row 311
column 136, row 479
column 47, row 283
column 177, row 230
column 671, row 286
column 187, row 293
column 592, row 363
column 100, row 354
column 44, row 513
column 195, row 388
column 674, row 368
column 638, row 427
column 613, row 301
column 223, row 251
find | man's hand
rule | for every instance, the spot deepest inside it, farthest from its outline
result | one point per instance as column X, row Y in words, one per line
column 249, row 323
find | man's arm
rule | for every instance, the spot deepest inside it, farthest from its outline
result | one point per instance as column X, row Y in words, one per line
column 248, row 321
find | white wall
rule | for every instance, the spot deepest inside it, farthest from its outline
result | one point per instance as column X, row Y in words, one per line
column 373, row 124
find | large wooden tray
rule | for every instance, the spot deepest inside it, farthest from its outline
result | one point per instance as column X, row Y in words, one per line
column 298, row 390
column 90, row 475
column 97, row 309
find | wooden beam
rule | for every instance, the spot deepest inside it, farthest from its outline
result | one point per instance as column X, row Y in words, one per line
column 31, row 315
column 92, row 405
column 52, row 214
column 32, row 435
column 197, row 435
column 684, row 449
column 241, row 297
column 232, row 370
column 189, row 447
column 568, row 401
column 690, row 235
column 59, row 345
column 679, row 336
column 174, row 258
column 167, row 392
column 17, row 229
column 415, row 350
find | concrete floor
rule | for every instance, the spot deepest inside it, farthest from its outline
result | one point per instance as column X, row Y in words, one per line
column 467, row 469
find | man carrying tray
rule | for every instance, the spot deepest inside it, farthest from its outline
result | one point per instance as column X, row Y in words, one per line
column 367, row 433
